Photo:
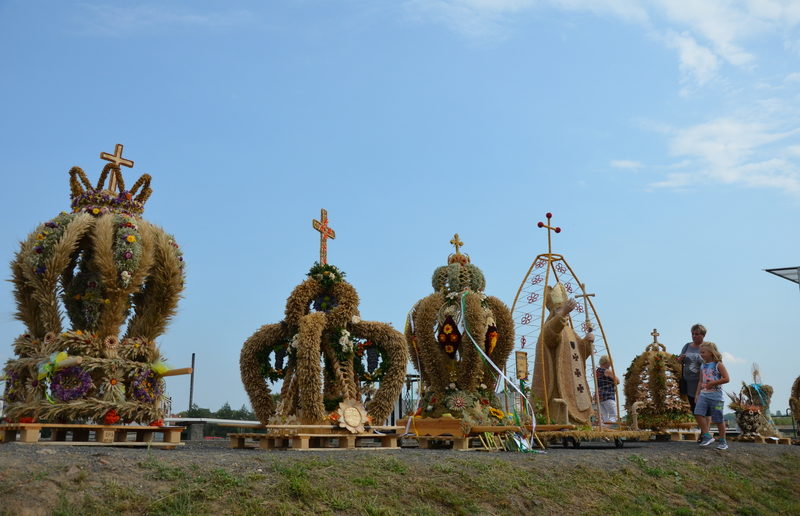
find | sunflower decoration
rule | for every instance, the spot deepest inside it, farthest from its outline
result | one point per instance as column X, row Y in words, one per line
column 449, row 337
column 351, row 415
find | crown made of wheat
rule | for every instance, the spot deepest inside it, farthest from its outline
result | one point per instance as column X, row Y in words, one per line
column 110, row 198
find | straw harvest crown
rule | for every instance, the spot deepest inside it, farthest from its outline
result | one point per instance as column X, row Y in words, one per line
column 111, row 198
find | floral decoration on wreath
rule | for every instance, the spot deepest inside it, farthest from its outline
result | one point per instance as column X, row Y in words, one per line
column 491, row 339
column 70, row 383
column 326, row 274
column 47, row 235
column 449, row 337
column 273, row 370
column 127, row 247
column 459, row 400
column 147, row 386
column 377, row 362
column 342, row 343
column 325, row 303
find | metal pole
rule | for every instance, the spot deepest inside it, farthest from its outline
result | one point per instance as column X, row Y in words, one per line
column 191, row 384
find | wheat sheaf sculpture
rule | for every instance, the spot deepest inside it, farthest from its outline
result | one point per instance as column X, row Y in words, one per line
column 319, row 351
column 117, row 278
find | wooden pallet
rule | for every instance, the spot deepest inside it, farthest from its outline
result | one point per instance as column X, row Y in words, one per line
column 92, row 435
column 761, row 440
column 684, row 435
column 318, row 442
column 317, row 437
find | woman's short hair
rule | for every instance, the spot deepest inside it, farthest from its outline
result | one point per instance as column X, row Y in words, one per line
column 699, row 328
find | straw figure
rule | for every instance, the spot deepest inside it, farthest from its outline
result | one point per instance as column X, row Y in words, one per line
column 652, row 392
column 751, row 406
column 459, row 338
column 117, row 279
column 559, row 369
column 318, row 351
column 794, row 400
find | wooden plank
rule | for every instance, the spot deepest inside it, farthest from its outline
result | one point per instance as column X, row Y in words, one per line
column 131, row 444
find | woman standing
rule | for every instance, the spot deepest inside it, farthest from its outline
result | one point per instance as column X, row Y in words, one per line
column 692, row 362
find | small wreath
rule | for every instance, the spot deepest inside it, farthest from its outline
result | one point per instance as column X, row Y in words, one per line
column 147, row 386
column 70, row 383
column 377, row 362
column 269, row 369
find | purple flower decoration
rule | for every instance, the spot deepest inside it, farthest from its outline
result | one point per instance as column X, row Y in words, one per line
column 39, row 249
column 40, row 269
column 50, row 224
column 146, row 386
column 70, row 383
column 128, row 255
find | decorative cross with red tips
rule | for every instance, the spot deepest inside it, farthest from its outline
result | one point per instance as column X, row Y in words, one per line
column 118, row 161
column 325, row 233
column 549, row 227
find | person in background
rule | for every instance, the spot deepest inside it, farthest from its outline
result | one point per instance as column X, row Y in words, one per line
column 709, row 399
column 691, row 361
column 606, row 380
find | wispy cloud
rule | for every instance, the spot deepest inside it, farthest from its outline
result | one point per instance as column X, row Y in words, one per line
column 106, row 19
column 732, row 359
column 704, row 33
column 740, row 151
column 626, row 164
column 698, row 64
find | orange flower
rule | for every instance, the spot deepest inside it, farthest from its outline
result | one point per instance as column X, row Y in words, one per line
column 447, row 329
column 449, row 349
column 453, row 337
column 442, row 337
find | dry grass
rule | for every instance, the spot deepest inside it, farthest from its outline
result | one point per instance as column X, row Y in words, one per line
column 407, row 482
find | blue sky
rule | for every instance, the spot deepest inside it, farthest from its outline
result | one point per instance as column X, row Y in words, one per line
column 664, row 136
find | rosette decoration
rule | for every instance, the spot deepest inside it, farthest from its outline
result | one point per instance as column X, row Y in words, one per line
column 651, row 382
column 325, row 355
column 455, row 336
column 94, row 288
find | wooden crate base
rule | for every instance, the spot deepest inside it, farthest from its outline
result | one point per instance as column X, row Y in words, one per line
column 684, row 435
column 92, row 435
column 317, row 442
column 451, row 443
column 761, row 440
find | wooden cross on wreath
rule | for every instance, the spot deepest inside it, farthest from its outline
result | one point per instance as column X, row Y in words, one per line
column 456, row 242
column 325, row 233
column 118, row 161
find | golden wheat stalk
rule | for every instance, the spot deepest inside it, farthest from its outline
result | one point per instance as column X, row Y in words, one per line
column 254, row 384
column 394, row 346
column 45, row 287
column 156, row 305
column 309, row 370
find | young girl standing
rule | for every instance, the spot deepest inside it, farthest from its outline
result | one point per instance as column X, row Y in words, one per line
column 708, row 397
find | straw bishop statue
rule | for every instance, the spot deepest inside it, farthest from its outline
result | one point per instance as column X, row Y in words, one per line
column 559, row 371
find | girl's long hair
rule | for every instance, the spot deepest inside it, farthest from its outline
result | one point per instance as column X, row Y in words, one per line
column 711, row 347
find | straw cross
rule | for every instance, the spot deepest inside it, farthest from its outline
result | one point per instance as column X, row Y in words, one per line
column 118, row 161
column 456, row 242
column 325, row 232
